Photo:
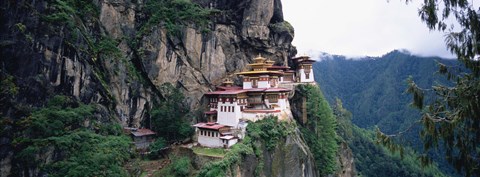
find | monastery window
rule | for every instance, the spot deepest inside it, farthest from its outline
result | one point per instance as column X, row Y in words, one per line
column 273, row 98
column 208, row 133
column 307, row 75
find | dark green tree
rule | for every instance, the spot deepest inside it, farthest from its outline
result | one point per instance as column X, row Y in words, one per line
column 453, row 117
column 61, row 128
column 169, row 118
column 319, row 131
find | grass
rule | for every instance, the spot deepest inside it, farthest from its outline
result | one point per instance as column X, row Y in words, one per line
column 215, row 152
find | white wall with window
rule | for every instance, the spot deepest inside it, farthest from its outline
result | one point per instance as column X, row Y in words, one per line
column 209, row 138
column 229, row 111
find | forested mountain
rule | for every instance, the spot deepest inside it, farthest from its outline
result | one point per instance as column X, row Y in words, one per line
column 373, row 160
column 373, row 89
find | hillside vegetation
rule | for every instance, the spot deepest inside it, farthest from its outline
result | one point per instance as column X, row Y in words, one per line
column 373, row 89
column 373, row 160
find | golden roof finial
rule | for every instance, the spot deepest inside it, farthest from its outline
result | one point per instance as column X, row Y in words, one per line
column 259, row 59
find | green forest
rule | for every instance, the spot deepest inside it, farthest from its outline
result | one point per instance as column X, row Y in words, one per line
column 373, row 89
column 371, row 159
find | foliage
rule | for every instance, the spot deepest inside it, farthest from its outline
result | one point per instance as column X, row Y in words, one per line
column 371, row 88
column 374, row 160
column 344, row 118
column 59, row 128
column 169, row 117
column 232, row 157
column 174, row 14
column 319, row 132
column 156, row 147
column 453, row 117
column 90, row 154
column 65, row 12
column 270, row 131
column 72, row 14
column 179, row 167
column 106, row 47
column 282, row 27
column 8, row 89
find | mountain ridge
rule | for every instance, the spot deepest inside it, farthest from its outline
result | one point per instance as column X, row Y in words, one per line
column 374, row 90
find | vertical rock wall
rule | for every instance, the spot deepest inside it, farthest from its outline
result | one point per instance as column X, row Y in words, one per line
column 51, row 58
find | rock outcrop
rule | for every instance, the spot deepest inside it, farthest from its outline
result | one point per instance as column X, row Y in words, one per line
column 66, row 54
column 74, row 54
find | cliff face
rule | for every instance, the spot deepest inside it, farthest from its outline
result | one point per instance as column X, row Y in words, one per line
column 96, row 52
column 47, row 58
column 100, row 54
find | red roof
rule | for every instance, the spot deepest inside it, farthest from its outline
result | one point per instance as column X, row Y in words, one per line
column 223, row 88
column 226, row 92
column 143, row 132
column 210, row 125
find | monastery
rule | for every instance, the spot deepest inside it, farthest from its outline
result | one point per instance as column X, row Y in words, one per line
column 230, row 107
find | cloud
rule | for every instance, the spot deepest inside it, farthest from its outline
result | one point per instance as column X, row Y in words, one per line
column 361, row 28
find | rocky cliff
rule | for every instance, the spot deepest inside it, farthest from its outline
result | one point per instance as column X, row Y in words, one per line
column 101, row 54
column 118, row 54
column 109, row 52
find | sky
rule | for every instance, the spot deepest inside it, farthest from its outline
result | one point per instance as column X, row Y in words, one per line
column 361, row 28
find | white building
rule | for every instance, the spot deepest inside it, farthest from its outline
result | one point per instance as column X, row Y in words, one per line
column 230, row 106
column 304, row 70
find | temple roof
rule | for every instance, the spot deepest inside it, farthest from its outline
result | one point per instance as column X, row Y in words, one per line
column 235, row 92
column 226, row 92
column 278, row 67
column 223, row 88
column 302, row 59
column 210, row 125
column 259, row 72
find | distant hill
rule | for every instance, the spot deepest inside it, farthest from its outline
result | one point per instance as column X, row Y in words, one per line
column 373, row 89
